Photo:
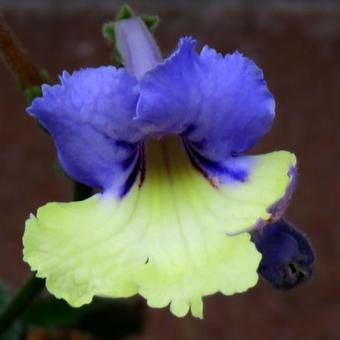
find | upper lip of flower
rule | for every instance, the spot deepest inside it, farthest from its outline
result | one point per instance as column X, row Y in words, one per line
column 219, row 106
column 99, row 118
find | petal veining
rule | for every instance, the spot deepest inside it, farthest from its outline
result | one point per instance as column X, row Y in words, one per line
column 90, row 119
column 174, row 239
column 220, row 104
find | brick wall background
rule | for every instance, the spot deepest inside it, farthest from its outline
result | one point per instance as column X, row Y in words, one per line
column 299, row 49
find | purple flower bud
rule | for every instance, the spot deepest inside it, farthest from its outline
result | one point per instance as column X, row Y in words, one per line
column 287, row 255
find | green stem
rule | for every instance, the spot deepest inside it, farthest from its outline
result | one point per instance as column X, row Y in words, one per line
column 17, row 305
column 33, row 287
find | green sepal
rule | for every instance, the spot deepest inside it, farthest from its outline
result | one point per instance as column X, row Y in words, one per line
column 32, row 93
column 108, row 30
column 116, row 57
column 151, row 21
column 35, row 91
column 125, row 12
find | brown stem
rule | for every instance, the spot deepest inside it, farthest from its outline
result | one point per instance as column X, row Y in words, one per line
column 16, row 58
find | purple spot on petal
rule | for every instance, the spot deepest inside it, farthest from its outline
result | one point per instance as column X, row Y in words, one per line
column 216, row 169
column 211, row 169
column 187, row 131
column 132, row 177
column 142, row 166
column 125, row 164
column 125, row 144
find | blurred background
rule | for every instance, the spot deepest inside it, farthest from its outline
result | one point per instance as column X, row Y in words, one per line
column 297, row 43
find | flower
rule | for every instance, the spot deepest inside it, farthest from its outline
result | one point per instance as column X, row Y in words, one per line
column 287, row 255
column 165, row 142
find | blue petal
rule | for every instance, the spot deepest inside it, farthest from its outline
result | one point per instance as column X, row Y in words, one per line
column 220, row 105
column 137, row 46
column 90, row 119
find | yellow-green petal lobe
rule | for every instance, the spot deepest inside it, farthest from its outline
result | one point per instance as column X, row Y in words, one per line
column 174, row 239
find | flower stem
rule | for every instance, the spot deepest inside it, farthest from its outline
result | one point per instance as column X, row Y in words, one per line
column 33, row 286
column 17, row 59
column 17, row 305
